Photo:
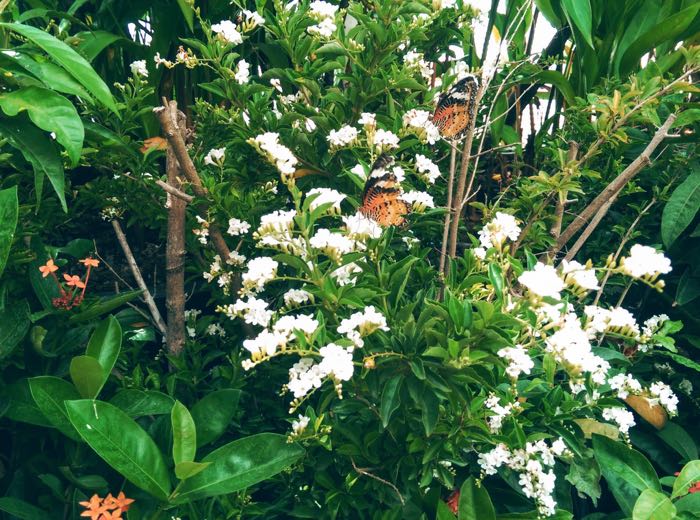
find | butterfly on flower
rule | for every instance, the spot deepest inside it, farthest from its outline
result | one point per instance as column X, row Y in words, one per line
column 456, row 109
column 381, row 197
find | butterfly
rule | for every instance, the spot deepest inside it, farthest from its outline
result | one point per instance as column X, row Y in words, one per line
column 456, row 108
column 380, row 198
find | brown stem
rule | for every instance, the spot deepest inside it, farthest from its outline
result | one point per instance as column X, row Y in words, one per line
column 615, row 187
column 366, row 473
column 174, row 191
column 152, row 308
column 175, row 249
column 555, row 230
column 446, row 226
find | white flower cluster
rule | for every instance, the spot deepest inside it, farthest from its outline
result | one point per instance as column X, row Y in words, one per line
column 385, row 140
column 616, row 320
column 650, row 327
column 498, row 412
column 503, row 227
column 237, row 227
column 251, row 20
column 579, row 276
column 645, row 262
column 324, row 14
column 344, row 274
column 531, row 463
column 268, row 342
column 368, row 120
column 260, row 271
column 215, row 157
column 427, row 169
column 439, row 5
column 623, row 418
column 414, row 60
column 665, row 396
column 362, row 324
column 418, row 122
column 202, row 233
column 624, row 385
column 418, row 200
column 227, row 32
column 543, row 281
column 344, row 136
column 282, row 157
column 253, row 311
column 138, row 68
column 326, row 196
column 360, row 228
column 519, row 360
column 305, row 375
column 242, row 75
column 334, row 245
column 294, row 297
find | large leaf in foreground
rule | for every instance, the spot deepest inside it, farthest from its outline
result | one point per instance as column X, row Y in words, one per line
column 9, row 212
column 240, row 464
column 49, row 394
column 122, row 444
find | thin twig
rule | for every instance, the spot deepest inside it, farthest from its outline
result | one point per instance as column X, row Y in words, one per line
column 363, row 471
column 446, row 226
column 174, row 191
column 555, row 229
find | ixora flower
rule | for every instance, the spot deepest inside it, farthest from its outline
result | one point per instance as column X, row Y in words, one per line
column 326, row 196
column 48, row 268
column 418, row 200
column 138, row 68
column 215, row 157
column 261, row 270
column 227, row 32
column 542, row 281
column 645, row 262
column 503, row 227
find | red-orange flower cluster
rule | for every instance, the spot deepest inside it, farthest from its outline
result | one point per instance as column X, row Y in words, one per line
column 108, row 508
column 70, row 297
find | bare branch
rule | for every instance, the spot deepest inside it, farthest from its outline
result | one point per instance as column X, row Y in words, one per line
column 174, row 191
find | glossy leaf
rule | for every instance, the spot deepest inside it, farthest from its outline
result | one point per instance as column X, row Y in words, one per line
column 681, row 208
column 104, row 306
column 443, row 512
column 22, row 406
column 70, row 60
column 689, row 475
column 87, row 375
column 213, row 414
column 579, row 13
column 240, row 464
column 105, row 344
column 626, row 471
column 559, row 81
column 474, row 502
column 14, row 324
column 122, row 444
column 185, row 470
column 137, row 403
column 391, row 399
column 680, row 440
column 49, row 394
column 52, row 113
column 653, row 505
column 9, row 212
column 21, row 509
column 91, row 43
column 184, row 434
column 187, row 12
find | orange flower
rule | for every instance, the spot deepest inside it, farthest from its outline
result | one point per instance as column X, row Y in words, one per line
column 48, row 268
column 74, row 281
column 120, row 502
column 93, row 508
column 90, row 262
column 114, row 515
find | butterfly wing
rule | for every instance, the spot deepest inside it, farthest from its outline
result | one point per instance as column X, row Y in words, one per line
column 380, row 198
column 456, row 108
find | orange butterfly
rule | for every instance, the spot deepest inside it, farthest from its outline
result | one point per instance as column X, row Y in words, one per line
column 456, row 108
column 380, row 198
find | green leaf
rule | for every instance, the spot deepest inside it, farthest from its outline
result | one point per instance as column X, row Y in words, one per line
column 49, row 394
column 213, row 413
column 496, row 277
column 14, row 324
column 22, row 406
column 39, row 150
column 87, row 375
column 688, row 504
column 680, row 440
column 70, row 60
column 9, row 212
column 626, row 471
column 185, row 470
column 21, row 509
column 559, row 81
column 687, row 117
column 51, row 112
column 579, row 12
column 474, row 502
column 443, row 512
column 652, row 505
column 681, row 208
column 391, row 399
column 584, row 474
column 187, row 12
column 184, row 434
column 105, row 344
column 240, row 464
column 91, row 43
column 104, row 306
column 137, row 403
column 430, row 408
column 122, row 444
column 689, row 475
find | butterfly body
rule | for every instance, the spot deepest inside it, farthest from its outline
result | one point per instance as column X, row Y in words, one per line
column 457, row 108
column 380, row 197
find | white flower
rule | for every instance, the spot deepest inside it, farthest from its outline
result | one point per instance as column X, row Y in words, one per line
column 235, row 258
column 414, row 60
column 336, row 362
column 429, row 170
column 334, row 245
column 253, row 311
column 616, row 320
column 308, row 124
column 653, row 324
column 499, row 412
column 242, row 75
column 264, row 344
column 252, row 20
column 344, row 136
column 286, row 325
column 519, row 360
column 479, row 252
column 623, row 418
column 295, row 297
column 344, row 274
column 542, row 281
column 276, row 222
column 439, row 5
column 237, row 227
column 275, row 82
column 418, row 200
column 359, row 171
column 326, row 196
column 645, row 262
column 298, row 426
column 138, row 68
column 419, row 122
column 571, row 347
column 304, row 376
column 624, row 385
column 385, row 140
column 215, row 157
column 367, row 119
column 214, row 329
column 359, row 227
column 228, row 32
column 500, row 229
column 494, row 459
column 324, row 29
column 579, row 275
column 362, row 324
column 686, row 386
column 260, row 271
column 666, row 397
column 320, row 10
column 281, row 156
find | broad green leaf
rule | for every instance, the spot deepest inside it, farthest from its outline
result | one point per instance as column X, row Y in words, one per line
column 443, row 512
column 105, row 344
column 680, row 440
column 91, row 43
column 87, row 375
column 645, row 17
column 545, row 7
column 49, row 394
column 187, row 12
column 474, row 502
column 9, row 212
column 430, row 409
column 687, row 117
column 104, row 306
column 688, row 504
column 21, row 509
column 240, row 464
column 559, row 81
column 689, row 475
column 584, row 474
column 579, row 12
column 39, row 150
column 122, row 444
column 391, row 399
column 22, row 407
column 185, row 470
column 496, row 278
column 51, row 112
column 626, row 471
column 184, row 434
column 681, row 208
column 213, row 413
column 14, row 324
column 653, row 505
column 70, row 60
column 137, row 403
column 688, row 286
